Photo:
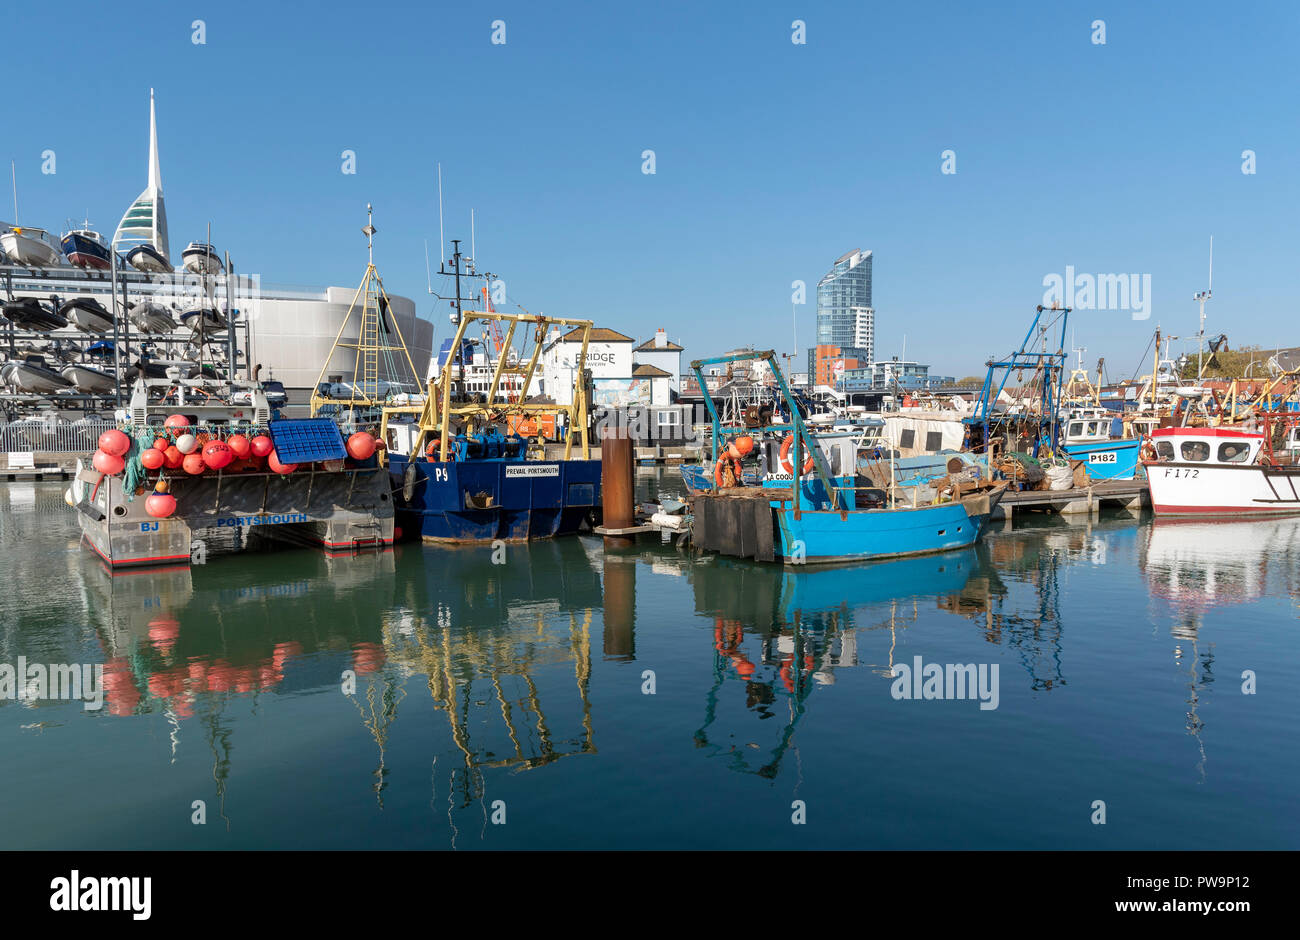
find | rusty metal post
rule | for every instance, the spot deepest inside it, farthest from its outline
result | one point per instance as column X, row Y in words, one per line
column 617, row 486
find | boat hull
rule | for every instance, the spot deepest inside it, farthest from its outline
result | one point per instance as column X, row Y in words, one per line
column 819, row 537
column 1199, row 489
column 36, row 379
column 29, row 251
column 147, row 259
column 1106, row 460
column 85, row 252
column 87, row 316
column 487, row 500
column 85, row 379
column 152, row 318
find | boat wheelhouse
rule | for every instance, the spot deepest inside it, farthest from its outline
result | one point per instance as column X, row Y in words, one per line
column 1218, row 471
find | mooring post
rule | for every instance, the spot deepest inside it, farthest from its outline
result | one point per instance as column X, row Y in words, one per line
column 617, row 486
column 620, row 607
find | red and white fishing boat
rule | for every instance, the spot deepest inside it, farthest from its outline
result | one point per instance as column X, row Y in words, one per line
column 1218, row 471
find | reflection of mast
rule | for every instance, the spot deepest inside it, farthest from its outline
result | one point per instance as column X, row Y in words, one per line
column 1196, row 685
column 219, row 742
column 380, row 718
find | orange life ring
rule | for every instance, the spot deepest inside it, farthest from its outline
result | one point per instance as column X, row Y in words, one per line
column 785, row 457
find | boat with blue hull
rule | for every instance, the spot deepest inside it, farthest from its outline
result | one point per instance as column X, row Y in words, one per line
column 814, row 511
column 1106, row 460
column 467, row 474
column 483, row 500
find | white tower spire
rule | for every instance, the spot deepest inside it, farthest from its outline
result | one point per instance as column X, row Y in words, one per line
column 145, row 223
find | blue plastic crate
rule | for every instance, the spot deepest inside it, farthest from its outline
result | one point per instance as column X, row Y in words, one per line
column 307, row 440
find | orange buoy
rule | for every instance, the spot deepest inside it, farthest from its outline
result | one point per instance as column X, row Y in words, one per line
column 114, row 442
column 152, row 458
column 786, row 463
column 176, row 421
column 273, row 461
column 239, row 445
column 107, row 464
column 261, row 445
column 745, row 444
column 172, row 457
column 193, row 464
column 361, row 446
column 160, row 444
column 160, row 505
column 217, row 455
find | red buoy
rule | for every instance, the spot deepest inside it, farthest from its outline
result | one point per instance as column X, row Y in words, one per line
column 172, row 457
column 193, row 464
column 239, row 445
column 160, row 444
column 273, row 461
column 217, row 455
column 361, row 446
column 114, row 442
column 152, row 458
column 107, row 464
column 261, row 445
column 176, row 421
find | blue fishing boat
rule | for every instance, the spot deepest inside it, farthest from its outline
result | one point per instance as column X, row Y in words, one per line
column 822, row 511
column 1092, row 436
column 469, row 474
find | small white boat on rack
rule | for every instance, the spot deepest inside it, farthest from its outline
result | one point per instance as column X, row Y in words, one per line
column 149, row 259
column 87, row 314
column 1218, row 472
column 149, row 316
column 204, row 319
column 34, row 376
column 86, row 379
column 201, row 258
column 33, row 247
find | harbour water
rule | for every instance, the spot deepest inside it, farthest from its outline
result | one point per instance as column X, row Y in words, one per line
column 505, row 703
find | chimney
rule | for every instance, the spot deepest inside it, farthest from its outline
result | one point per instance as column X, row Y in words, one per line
column 661, row 338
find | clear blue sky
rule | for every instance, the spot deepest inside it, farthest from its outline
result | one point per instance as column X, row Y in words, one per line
column 772, row 158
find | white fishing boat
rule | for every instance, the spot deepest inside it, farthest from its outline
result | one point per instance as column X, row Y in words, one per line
column 203, row 319
column 33, row 247
column 86, row 379
column 1218, row 471
column 151, row 317
column 201, row 258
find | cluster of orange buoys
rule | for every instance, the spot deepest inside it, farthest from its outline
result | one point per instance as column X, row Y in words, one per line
column 193, row 451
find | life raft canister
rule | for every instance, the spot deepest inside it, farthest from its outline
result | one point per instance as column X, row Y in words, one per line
column 785, row 456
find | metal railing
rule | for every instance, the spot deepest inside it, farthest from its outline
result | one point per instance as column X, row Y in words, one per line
column 59, row 437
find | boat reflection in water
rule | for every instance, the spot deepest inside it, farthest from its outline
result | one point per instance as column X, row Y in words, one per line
column 781, row 631
column 1196, row 566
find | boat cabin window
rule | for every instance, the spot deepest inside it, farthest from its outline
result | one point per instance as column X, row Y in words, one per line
column 1076, row 429
column 1092, row 428
column 1165, row 450
column 1233, row 452
column 933, row 440
column 907, row 438
column 1195, row 450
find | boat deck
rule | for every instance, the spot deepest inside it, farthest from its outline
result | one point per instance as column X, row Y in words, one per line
column 1130, row 494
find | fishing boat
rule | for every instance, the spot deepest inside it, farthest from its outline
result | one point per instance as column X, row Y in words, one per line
column 469, row 475
column 32, row 247
column 85, row 379
column 823, row 513
column 31, row 314
column 203, row 319
column 1089, row 437
column 87, row 314
column 1218, row 472
column 151, row 317
column 148, row 259
column 86, row 248
column 201, row 258
column 33, row 375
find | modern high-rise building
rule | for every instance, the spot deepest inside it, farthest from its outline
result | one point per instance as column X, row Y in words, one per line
column 845, row 317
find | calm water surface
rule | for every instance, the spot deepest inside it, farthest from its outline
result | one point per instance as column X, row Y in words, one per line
column 1120, row 645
